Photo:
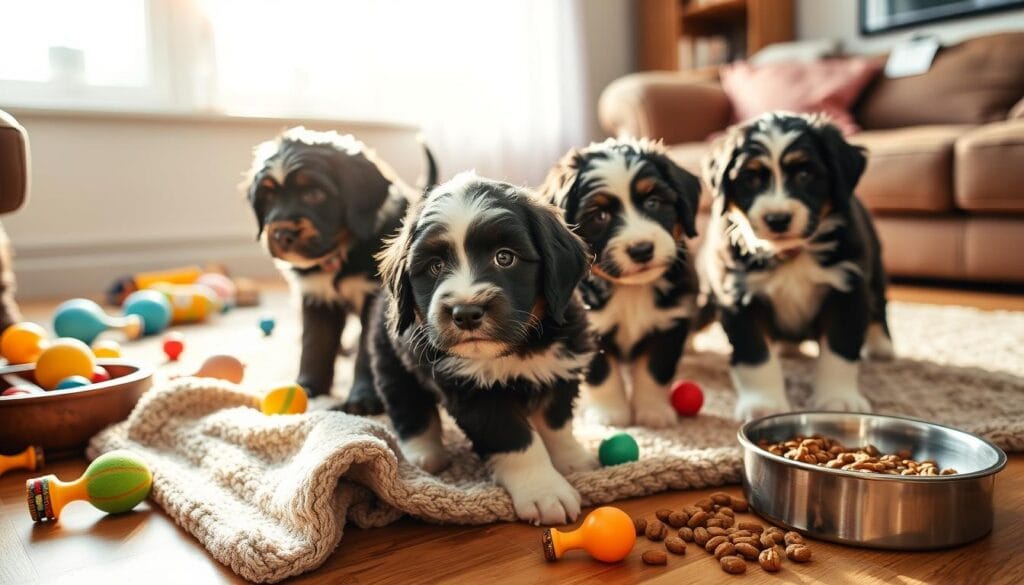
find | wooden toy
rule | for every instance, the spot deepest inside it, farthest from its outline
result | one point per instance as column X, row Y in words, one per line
column 65, row 357
column 100, row 374
column 618, row 448
column 267, row 325
column 290, row 399
column 84, row 320
column 222, row 367
column 607, row 533
column 21, row 343
column 174, row 344
column 152, row 306
column 73, row 382
column 687, row 398
column 106, row 348
column 31, row 458
column 115, row 482
column 189, row 303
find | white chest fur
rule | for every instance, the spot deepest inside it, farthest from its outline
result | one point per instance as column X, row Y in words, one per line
column 797, row 287
column 350, row 291
column 633, row 310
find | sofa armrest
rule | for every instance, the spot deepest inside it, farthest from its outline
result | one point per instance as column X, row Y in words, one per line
column 1017, row 111
column 674, row 107
column 14, row 167
column 989, row 168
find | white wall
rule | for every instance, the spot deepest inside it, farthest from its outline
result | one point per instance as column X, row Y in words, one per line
column 116, row 194
column 837, row 19
column 609, row 32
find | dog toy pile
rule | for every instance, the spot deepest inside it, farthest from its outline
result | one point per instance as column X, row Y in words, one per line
column 115, row 482
column 831, row 453
column 712, row 524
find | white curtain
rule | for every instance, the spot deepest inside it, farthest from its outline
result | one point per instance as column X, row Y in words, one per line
column 496, row 85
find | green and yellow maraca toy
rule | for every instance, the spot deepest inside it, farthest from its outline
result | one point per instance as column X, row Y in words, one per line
column 115, row 482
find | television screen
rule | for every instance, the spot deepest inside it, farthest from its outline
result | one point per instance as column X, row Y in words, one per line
column 884, row 15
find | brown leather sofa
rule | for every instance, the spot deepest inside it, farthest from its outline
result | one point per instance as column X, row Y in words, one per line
column 14, row 177
column 945, row 175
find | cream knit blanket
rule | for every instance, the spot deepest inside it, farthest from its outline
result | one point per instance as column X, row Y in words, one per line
column 269, row 496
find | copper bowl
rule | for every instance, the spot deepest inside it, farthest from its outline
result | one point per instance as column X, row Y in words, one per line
column 63, row 421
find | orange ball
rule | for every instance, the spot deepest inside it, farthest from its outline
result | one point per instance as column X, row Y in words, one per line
column 607, row 533
column 65, row 357
column 22, row 343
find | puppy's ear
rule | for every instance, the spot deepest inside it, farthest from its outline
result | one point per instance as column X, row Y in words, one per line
column 258, row 207
column 363, row 188
column 561, row 181
column 393, row 262
column 846, row 162
column 263, row 152
column 563, row 255
column 717, row 165
column 687, row 189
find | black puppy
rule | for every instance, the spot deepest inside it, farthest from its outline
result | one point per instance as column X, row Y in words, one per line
column 323, row 203
column 633, row 206
column 482, row 317
column 791, row 254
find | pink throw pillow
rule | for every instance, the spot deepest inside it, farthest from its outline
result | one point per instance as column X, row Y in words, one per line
column 830, row 86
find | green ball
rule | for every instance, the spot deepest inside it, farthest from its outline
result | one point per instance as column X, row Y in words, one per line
column 618, row 448
column 117, row 481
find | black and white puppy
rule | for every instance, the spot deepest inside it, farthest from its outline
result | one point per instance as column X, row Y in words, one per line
column 632, row 206
column 482, row 316
column 323, row 204
column 790, row 255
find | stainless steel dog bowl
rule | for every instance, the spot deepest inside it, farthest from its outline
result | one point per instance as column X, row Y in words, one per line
column 871, row 509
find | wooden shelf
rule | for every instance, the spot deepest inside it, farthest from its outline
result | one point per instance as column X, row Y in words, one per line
column 718, row 10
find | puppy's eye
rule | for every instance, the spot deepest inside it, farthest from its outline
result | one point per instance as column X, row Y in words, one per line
column 602, row 217
column 436, row 266
column 803, row 176
column 752, row 180
column 652, row 203
column 504, row 258
column 313, row 197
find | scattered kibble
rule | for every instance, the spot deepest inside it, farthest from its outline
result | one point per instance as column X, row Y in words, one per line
column 675, row 545
column 654, row 557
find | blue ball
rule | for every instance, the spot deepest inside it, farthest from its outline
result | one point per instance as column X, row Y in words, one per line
column 152, row 306
column 267, row 325
column 81, row 319
column 72, row 382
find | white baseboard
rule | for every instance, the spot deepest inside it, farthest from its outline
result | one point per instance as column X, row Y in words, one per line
column 89, row 268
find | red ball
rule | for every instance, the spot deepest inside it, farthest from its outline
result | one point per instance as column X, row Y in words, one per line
column 100, row 374
column 687, row 398
column 174, row 344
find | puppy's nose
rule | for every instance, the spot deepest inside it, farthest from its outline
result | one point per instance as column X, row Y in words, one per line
column 468, row 317
column 285, row 237
column 778, row 222
column 641, row 251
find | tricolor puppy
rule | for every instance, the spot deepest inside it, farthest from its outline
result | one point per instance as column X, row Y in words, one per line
column 790, row 255
column 632, row 206
column 323, row 203
column 482, row 316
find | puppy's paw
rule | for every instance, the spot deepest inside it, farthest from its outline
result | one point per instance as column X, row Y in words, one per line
column 850, row 401
column 878, row 345
column 427, row 454
column 363, row 400
column 609, row 415
column 654, row 414
column 750, row 407
column 544, row 498
column 314, row 387
column 572, row 458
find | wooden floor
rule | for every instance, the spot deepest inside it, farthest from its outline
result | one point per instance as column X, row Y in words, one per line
column 86, row 546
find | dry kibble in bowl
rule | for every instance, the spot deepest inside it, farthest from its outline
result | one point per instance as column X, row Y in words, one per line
column 826, row 452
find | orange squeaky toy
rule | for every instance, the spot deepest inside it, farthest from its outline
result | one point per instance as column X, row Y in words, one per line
column 31, row 459
column 607, row 533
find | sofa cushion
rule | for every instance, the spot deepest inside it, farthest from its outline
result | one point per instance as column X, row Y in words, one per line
column 830, row 86
column 989, row 168
column 13, row 163
column 909, row 169
column 974, row 82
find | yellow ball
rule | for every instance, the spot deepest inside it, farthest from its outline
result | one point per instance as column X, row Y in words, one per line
column 22, row 343
column 65, row 357
column 289, row 399
column 106, row 348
